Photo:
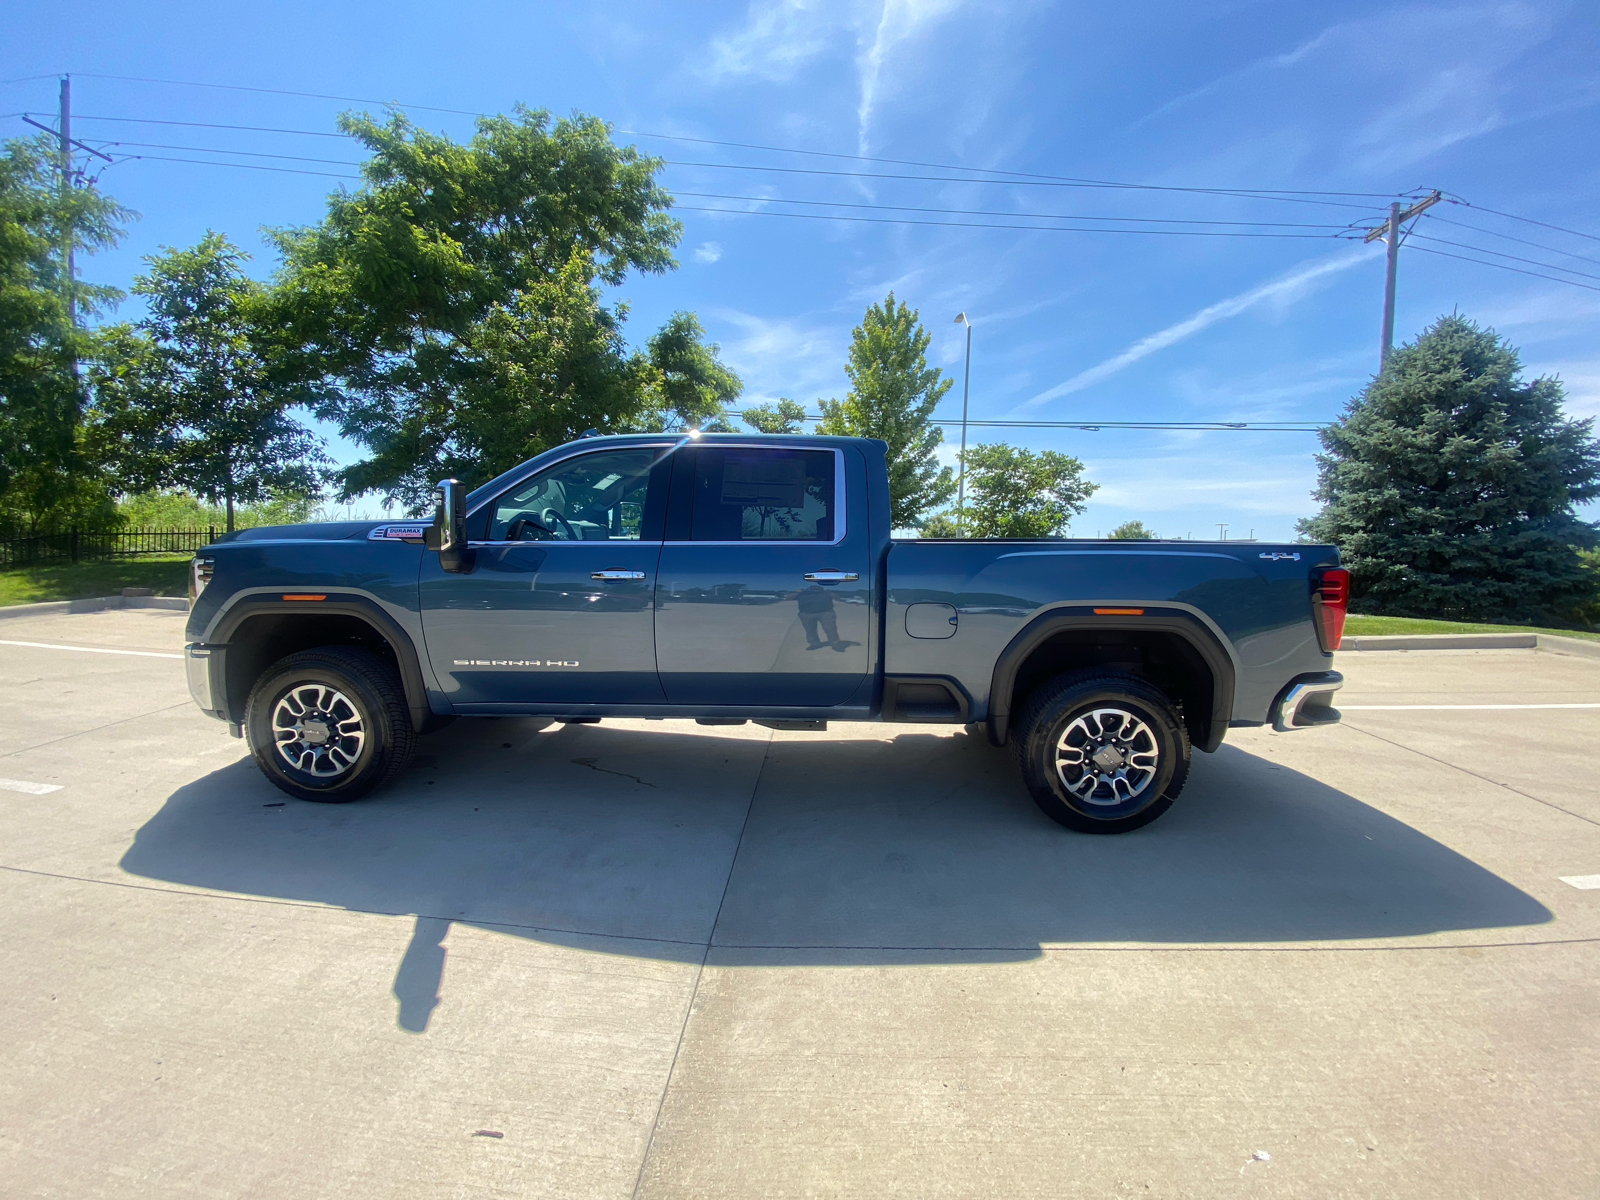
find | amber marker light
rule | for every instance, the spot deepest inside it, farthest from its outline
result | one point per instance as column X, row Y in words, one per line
column 1113, row 612
column 305, row 597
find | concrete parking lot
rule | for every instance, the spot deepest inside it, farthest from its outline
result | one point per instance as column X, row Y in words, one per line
column 653, row 959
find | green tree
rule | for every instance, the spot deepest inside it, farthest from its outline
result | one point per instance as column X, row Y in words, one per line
column 786, row 416
column 689, row 385
column 1449, row 485
column 1014, row 493
column 893, row 392
column 453, row 299
column 45, row 478
column 187, row 399
column 1132, row 531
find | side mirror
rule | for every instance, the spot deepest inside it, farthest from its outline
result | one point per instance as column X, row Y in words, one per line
column 448, row 534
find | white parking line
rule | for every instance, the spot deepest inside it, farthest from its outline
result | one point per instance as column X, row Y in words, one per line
column 1588, row 883
column 1451, row 707
column 30, row 789
column 91, row 649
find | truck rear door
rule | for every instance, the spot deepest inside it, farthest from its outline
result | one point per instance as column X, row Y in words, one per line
column 763, row 585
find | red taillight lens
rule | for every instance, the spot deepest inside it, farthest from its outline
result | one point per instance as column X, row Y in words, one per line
column 1333, row 596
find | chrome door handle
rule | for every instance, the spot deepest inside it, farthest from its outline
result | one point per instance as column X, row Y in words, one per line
column 831, row 577
column 612, row 576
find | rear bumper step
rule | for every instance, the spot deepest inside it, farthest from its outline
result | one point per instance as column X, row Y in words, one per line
column 1308, row 702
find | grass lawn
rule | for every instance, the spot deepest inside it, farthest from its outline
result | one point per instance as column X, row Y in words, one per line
column 167, row 574
column 1356, row 625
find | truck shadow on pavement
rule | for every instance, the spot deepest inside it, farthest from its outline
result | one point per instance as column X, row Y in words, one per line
column 917, row 848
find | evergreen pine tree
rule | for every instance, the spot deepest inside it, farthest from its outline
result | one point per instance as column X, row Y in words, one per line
column 893, row 394
column 1448, row 485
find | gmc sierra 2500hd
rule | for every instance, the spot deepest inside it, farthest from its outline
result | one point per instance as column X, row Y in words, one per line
column 723, row 579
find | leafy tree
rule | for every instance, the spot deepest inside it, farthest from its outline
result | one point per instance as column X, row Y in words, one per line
column 786, row 416
column 1132, row 531
column 1013, row 493
column 187, row 398
column 1449, row 485
column 184, row 510
column 454, row 299
column 690, row 386
column 892, row 396
column 44, row 476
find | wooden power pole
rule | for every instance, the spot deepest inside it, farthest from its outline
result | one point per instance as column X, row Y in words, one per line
column 1390, row 232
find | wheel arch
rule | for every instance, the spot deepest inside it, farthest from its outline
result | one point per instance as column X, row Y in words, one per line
column 255, row 633
column 1168, row 647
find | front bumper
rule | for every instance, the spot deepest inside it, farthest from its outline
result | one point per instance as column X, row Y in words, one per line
column 1307, row 702
column 202, row 665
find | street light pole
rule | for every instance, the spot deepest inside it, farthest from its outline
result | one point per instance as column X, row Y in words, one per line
column 966, row 385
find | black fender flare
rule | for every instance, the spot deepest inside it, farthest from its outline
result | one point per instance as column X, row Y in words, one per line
column 334, row 604
column 1154, row 620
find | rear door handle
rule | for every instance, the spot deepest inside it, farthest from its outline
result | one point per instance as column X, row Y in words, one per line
column 831, row 577
column 613, row 575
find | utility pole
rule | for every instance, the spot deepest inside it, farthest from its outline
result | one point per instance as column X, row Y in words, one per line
column 1390, row 231
column 65, row 127
column 966, row 384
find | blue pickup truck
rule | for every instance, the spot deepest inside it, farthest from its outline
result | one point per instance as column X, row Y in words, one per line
column 723, row 578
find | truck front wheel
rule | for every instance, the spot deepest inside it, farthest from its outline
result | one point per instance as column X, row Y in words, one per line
column 329, row 724
column 1102, row 752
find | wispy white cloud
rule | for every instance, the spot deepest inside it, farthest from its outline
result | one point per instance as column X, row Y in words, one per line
column 708, row 252
column 898, row 22
column 1283, row 289
column 777, row 39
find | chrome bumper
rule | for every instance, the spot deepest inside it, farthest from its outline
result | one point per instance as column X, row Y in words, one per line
column 1308, row 702
column 197, row 663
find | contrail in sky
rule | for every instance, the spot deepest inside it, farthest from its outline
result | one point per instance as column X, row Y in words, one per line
column 1208, row 316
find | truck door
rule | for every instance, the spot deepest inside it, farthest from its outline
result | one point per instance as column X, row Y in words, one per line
column 557, row 607
column 763, row 592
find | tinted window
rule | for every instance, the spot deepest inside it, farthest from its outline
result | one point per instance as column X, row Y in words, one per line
column 596, row 497
column 761, row 494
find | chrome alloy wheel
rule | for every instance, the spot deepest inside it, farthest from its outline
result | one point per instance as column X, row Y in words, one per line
column 1107, row 756
column 317, row 730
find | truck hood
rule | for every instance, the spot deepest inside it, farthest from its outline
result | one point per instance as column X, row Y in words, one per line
column 318, row 531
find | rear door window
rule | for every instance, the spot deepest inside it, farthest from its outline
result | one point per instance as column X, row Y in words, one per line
column 763, row 494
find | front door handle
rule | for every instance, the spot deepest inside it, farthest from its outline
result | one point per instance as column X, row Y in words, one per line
column 613, row 575
column 831, row 577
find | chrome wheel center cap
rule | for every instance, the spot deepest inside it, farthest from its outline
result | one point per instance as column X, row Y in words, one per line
column 314, row 732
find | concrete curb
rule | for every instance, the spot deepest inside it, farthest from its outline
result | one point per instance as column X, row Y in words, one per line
column 96, row 604
column 1474, row 641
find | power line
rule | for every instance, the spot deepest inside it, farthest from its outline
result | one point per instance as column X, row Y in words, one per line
column 900, row 162
column 214, row 125
column 1519, row 241
column 1501, row 254
column 234, row 87
column 1013, row 183
column 30, row 78
column 1094, row 426
column 335, row 162
column 1526, row 220
column 1485, row 263
column 984, row 212
column 745, row 212
column 206, row 162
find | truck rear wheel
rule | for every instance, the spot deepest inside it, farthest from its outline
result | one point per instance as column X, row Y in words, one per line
column 329, row 724
column 1102, row 752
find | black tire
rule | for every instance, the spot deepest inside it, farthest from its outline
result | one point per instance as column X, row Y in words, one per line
column 1101, row 796
column 354, row 731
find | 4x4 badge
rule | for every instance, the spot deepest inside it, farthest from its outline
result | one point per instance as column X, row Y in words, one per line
column 1276, row 555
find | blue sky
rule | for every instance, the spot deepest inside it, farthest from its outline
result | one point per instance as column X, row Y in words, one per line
column 1493, row 103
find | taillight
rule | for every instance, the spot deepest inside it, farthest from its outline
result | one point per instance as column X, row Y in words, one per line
column 1333, row 602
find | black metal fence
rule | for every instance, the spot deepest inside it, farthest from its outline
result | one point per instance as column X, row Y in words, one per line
column 87, row 545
